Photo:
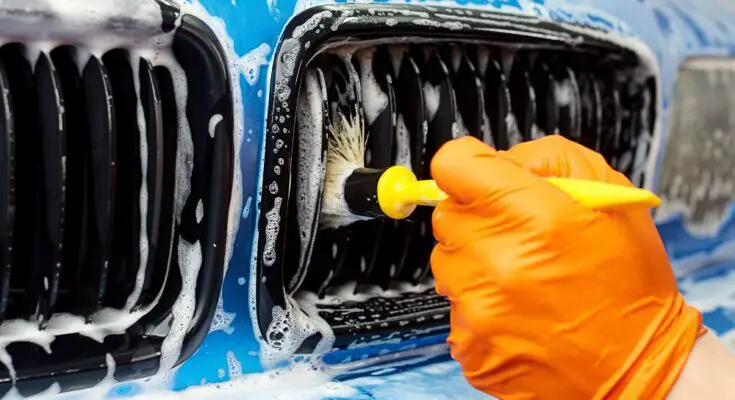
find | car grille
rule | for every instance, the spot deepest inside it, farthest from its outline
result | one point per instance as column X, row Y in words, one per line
column 371, row 281
column 97, row 216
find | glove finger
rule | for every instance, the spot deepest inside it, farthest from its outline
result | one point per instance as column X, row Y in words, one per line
column 557, row 156
column 470, row 171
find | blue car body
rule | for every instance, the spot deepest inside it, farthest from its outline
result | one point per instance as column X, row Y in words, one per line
column 672, row 31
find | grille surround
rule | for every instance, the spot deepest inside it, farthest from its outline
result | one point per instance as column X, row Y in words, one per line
column 78, row 362
column 335, row 26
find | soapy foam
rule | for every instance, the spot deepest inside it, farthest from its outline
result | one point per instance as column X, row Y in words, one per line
column 289, row 328
column 200, row 211
column 238, row 66
column 311, row 23
column 250, row 64
column 213, row 122
column 432, row 98
column 143, row 197
column 222, row 320
column 403, row 143
column 190, row 261
column 273, row 219
column 310, row 120
column 374, row 98
column 246, row 209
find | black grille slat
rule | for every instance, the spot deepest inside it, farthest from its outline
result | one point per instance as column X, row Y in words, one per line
column 125, row 252
column 412, row 112
column 568, row 101
column 331, row 248
column 75, row 232
column 22, row 88
column 523, row 100
column 43, row 285
column 591, row 110
column 469, row 94
column 612, row 113
column 443, row 127
column 7, row 189
column 498, row 102
column 381, row 261
column 547, row 108
column 99, row 176
column 379, row 149
column 294, row 271
column 150, row 98
column 169, row 143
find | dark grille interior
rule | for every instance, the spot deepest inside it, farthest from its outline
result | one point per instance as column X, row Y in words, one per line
column 91, row 215
column 497, row 95
column 74, row 189
column 418, row 76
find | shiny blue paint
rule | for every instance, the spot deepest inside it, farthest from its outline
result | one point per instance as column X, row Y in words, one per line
column 673, row 29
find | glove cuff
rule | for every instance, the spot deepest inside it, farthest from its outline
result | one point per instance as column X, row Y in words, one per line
column 654, row 367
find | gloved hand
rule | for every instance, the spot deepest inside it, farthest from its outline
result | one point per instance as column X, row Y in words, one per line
column 550, row 300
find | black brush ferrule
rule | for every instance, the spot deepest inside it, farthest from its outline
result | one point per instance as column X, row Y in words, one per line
column 361, row 192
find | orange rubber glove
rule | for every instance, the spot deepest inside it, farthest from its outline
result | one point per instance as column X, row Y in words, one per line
column 550, row 300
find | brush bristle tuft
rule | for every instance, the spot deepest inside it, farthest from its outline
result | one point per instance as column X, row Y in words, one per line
column 345, row 154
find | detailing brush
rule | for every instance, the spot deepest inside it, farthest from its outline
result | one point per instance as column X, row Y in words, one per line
column 353, row 192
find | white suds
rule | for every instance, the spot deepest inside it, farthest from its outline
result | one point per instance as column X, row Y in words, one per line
column 311, row 24
column 143, row 197
column 288, row 330
column 403, row 143
column 246, row 209
column 213, row 122
column 234, row 368
column 190, row 262
column 432, row 98
column 310, row 120
column 373, row 98
column 514, row 135
column 273, row 219
column 222, row 319
column 250, row 64
column 563, row 93
column 200, row 211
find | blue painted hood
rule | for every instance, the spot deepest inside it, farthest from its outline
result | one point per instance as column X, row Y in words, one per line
column 671, row 30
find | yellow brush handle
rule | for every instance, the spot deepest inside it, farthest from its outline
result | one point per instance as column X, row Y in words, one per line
column 592, row 194
column 399, row 192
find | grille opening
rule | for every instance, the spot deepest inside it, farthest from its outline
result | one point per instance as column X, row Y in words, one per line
column 416, row 88
column 93, row 216
column 375, row 275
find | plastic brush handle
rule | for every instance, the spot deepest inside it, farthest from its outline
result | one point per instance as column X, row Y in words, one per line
column 399, row 192
column 592, row 194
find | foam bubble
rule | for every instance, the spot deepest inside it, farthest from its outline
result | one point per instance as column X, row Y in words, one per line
column 213, row 122
column 222, row 319
column 373, row 98
column 273, row 218
column 432, row 98
column 246, row 209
